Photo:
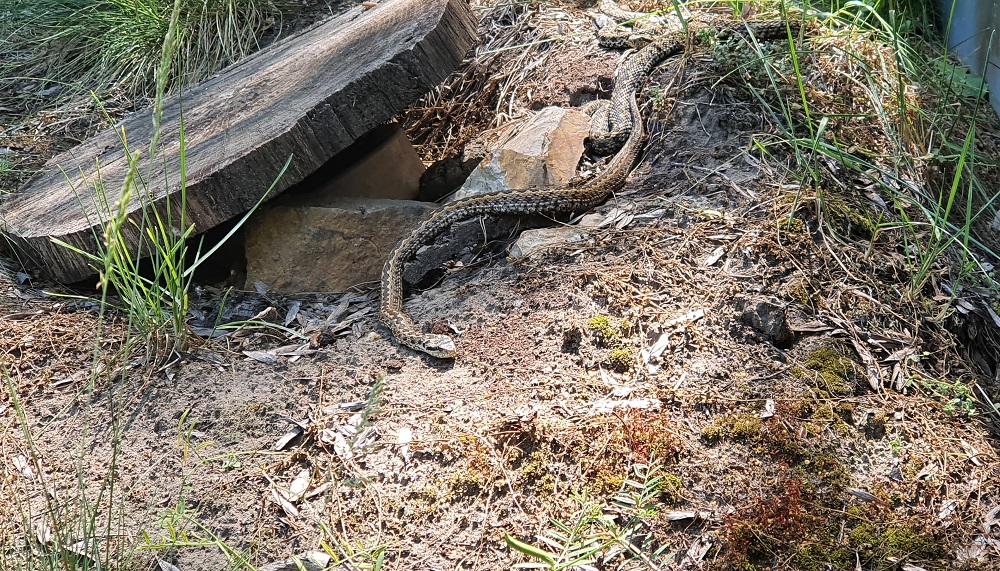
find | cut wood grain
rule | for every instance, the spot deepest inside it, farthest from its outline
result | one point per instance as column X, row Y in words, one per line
column 309, row 97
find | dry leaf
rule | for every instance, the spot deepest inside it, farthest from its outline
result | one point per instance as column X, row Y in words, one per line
column 947, row 509
column 266, row 357
column 287, row 438
column 714, row 257
column 341, row 447
column 861, row 494
column 298, row 487
column 43, row 533
column 697, row 551
column 769, row 408
column 660, row 346
column 403, row 438
column 293, row 310
column 23, row 467
column 992, row 518
column 286, row 505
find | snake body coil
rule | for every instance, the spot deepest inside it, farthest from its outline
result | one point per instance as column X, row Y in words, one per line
column 575, row 197
column 618, row 123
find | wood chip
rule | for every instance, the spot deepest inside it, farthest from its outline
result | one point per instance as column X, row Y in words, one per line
column 285, row 440
column 266, row 357
column 714, row 257
column 286, row 506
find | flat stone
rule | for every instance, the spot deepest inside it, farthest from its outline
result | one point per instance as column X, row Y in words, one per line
column 534, row 243
column 331, row 246
column 544, row 153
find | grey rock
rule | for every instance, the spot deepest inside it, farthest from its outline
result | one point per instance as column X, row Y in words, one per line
column 445, row 176
column 545, row 152
column 533, row 243
column 768, row 319
column 326, row 247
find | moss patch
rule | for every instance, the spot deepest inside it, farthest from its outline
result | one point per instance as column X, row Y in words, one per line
column 612, row 334
column 846, row 218
column 830, row 371
column 877, row 542
column 791, row 226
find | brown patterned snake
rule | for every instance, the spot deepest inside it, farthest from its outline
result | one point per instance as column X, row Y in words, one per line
column 624, row 125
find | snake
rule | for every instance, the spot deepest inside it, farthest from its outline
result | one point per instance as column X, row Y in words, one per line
column 619, row 128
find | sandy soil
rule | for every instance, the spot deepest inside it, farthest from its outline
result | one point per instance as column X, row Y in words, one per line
column 807, row 414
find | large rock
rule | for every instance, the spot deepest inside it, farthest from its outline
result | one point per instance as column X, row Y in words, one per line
column 326, row 247
column 545, row 152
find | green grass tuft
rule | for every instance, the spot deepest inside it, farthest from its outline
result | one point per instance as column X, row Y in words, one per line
column 113, row 47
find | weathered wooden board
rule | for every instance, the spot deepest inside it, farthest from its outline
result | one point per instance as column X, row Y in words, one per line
column 309, row 96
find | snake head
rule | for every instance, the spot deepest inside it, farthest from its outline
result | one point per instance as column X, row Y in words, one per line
column 440, row 346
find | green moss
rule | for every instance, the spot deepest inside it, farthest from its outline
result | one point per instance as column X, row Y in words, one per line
column 670, row 487
column 882, row 541
column 791, row 226
column 785, row 447
column 463, row 483
column 751, row 539
column 606, row 331
column 535, row 474
column 864, row 536
column 845, row 410
column 801, row 293
column 749, row 429
column 908, row 541
column 621, row 359
column 610, row 334
column 847, row 218
column 745, row 427
column 830, row 371
column 607, row 482
column 821, row 557
column 875, row 424
column 826, row 417
column 912, row 467
column 713, row 432
column 801, row 409
column 827, row 473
